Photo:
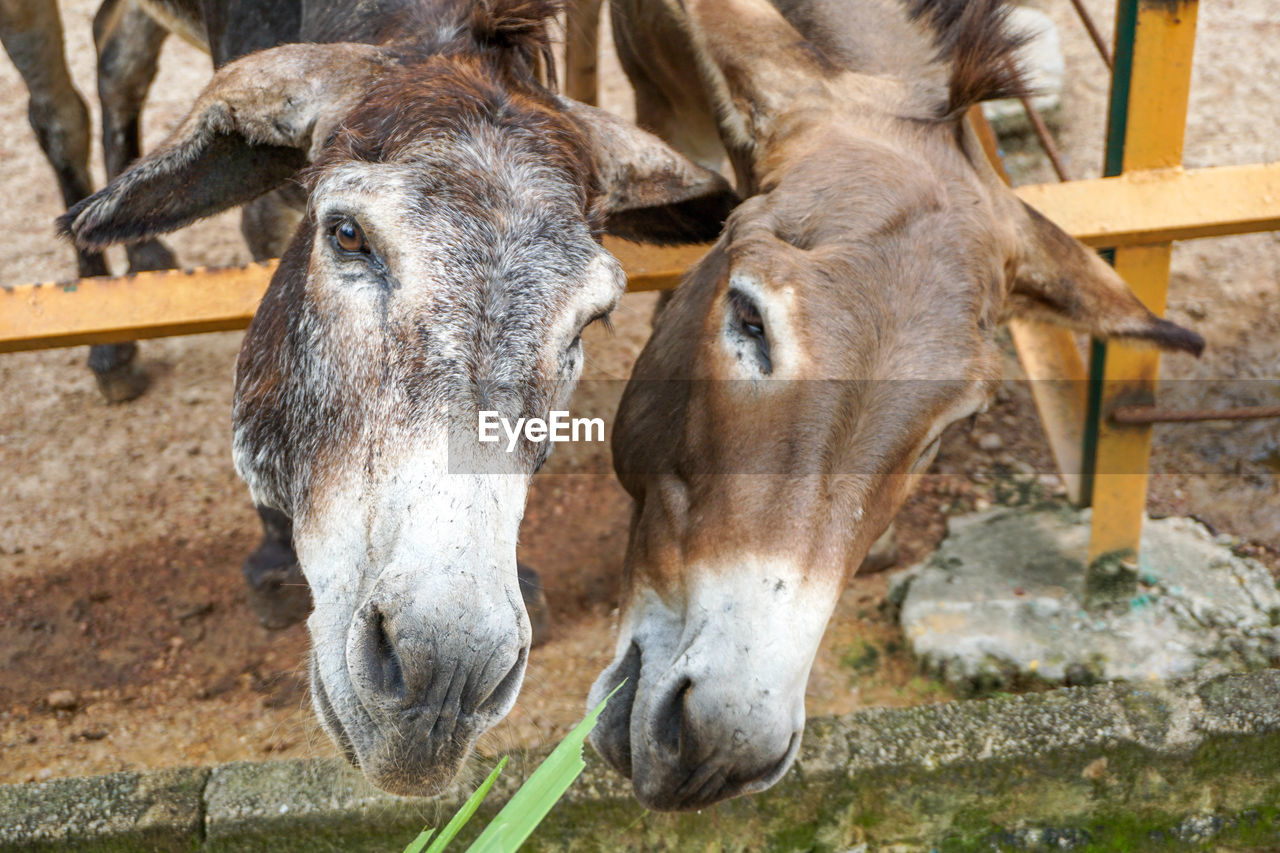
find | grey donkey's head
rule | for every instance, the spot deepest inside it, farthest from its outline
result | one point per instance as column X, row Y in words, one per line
column 447, row 263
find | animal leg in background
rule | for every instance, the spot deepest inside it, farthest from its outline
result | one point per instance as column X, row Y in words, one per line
column 31, row 32
column 582, row 51
column 128, row 42
column 278, row 592
column 666, row 104
column 267, row 223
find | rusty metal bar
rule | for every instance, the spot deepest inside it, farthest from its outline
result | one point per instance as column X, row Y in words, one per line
column 1162, row 205
column 186, row 302
column 1157, row 415
column 1046, row 139
column 144, row 305
column 1098, row 41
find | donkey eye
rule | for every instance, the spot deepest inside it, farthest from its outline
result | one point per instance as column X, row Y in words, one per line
column 601, row 318
column 748, row 314
column 348, row 237
column 746, row 321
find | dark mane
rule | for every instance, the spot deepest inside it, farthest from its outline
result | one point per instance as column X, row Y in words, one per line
column 974, row 39
column 515, row 32
column 520, row 28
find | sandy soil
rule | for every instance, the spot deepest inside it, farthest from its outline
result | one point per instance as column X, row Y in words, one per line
column 123, row 528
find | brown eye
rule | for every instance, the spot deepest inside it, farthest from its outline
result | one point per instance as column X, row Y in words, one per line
column 348, row 237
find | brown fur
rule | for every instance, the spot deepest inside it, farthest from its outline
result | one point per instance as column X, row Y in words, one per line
column 798, row 381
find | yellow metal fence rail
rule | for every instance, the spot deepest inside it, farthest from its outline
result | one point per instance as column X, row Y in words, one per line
column 1124, row 211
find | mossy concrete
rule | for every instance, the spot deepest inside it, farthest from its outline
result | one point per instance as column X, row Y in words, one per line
column 1115, row 767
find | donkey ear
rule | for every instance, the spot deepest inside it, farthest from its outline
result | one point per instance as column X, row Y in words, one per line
column 758, row 63
column 254, row 126
column 652, row 193
column 1058, row 279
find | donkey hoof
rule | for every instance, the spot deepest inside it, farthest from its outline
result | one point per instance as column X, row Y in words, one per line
column 115, row 367
column 278, row 593
column 123, row 384
column 535, row 601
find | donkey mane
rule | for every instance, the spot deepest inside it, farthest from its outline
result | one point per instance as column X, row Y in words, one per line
column 494, row 69
column 974, row 38
column 517, row 31
column 520, row 27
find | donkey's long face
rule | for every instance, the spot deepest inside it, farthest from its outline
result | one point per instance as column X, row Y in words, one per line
column 434, row 277
column 446, row 264
column 809, row 367
column 794, row 388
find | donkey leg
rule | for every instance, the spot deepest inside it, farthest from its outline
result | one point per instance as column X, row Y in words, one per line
column 582, row 51
column 128, row 43
column 31, row 32
column 278, row 593
column 267, row 224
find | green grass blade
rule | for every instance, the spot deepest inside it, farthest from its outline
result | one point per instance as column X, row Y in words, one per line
column 416, row 845
column 460, row 819
column 524, row 811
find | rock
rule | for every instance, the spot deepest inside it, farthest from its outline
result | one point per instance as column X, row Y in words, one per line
column 156, row 811
column 1112, row 767
column 1003, row 598
column 1195, row 310
column 990, row 441
column 62, row 700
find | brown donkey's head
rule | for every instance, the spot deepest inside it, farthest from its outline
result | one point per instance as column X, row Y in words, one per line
column 801, row 376
column 447, row 263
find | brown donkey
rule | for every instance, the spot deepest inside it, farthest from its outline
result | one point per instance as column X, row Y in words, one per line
column 447, row 263
column 801, row 376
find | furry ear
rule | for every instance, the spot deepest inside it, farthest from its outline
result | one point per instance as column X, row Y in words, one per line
column 755, row 64
column 652, row 193
column 1058, row 279
column 253, row 127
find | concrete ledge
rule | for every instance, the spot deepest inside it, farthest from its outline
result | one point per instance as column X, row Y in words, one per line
column 156, row 810
column 1103, row 768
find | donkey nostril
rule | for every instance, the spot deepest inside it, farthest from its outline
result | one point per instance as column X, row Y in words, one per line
column 385, row 663
column 668, row 729
column 505, row 691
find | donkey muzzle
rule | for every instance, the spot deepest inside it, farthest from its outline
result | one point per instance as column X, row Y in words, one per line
column 419, row 681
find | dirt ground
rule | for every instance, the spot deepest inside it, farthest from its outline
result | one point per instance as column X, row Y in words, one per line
column 125, row 640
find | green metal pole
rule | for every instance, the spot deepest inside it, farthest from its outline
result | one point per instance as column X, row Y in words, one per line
column 1112, row 165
